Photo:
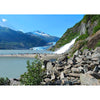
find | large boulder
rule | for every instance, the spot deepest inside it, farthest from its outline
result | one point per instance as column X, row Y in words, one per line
column 87, row 79
column 49, row 68
column 77, row 53
column 15, row 82
column 96, row 55
column 61, row 75
column 97, row 50
column 78, row 59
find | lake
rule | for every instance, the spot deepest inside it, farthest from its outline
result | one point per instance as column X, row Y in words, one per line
column 13, row 67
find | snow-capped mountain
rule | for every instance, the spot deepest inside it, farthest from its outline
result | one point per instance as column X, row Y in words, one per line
column 48, row 38
column 41, row 33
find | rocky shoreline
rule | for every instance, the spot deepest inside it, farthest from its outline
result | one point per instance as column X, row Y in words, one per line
column 81, row 69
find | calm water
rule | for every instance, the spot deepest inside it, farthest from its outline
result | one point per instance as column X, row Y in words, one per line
column 13, row 67
column 3, row 52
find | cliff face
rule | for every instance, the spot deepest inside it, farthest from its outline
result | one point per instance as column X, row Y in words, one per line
column 86, row 28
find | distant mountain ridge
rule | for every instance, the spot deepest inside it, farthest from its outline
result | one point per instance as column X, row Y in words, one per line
column 11, row 39
column 46, row 37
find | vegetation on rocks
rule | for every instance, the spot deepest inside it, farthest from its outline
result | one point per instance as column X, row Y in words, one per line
column 92, row 18
column 34, row 73
column 96, row 28
column 4, row 81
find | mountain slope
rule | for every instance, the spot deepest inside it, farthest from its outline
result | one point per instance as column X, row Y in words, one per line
column 85, row 29
column 11, row 39
column 46, row 37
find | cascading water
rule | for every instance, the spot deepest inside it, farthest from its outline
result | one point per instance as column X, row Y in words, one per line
column 66, row 47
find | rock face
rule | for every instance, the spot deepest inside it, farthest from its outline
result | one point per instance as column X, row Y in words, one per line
column 94, row 39
column 82, row 69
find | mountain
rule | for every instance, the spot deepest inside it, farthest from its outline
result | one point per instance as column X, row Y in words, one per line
column 46, row 37
column 11, row 39
column 87, row 31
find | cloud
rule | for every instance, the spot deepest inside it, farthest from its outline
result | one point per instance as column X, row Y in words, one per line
column 4, row 20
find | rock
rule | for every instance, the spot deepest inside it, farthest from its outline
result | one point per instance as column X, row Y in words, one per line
column 92, row 66
column 84, row 62
column 88, row 57
column 95, row 59
column 47, row 80
column 97, row 50
column 75, row 81
column 96, row 63
column 61, row 75
column 73, row 75
column 99, row 66
column 14, row 82
column 96, row 75
column 90, row 72
column 78, row 59
column 96, row 69
column 49, row 67
column 45, row 63
column 99, row 72
column 52, row 76
column 85, row 52
column 78, row 65
column 60, row 68
column 67, row 71
column 43, row 83
column 58, row 82
column 85, row 68
column 77, row 70
column 70, row 61
column 77, row 53
column 65, row 81
column 87, row 79
column 96, row 55
column 67, row 66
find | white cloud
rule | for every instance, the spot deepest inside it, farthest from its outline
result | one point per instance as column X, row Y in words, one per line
column 4, row 20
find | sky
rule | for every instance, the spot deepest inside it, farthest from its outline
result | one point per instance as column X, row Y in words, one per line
column 55, row 25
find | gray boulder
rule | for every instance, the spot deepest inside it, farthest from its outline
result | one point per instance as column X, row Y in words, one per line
column 14, row 82
column 49, row 67
column 78, row 59
column 70, row 61
column 96, row 55
column 61, row 75
column 97, row 50
column 47, row 80
column 87, row 79
column 77, row 70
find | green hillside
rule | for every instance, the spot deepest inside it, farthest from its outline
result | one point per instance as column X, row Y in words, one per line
column 85, row 29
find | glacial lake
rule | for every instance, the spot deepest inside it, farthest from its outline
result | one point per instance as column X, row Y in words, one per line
column 13, row 67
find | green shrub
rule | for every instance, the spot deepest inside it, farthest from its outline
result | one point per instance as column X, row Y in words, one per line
column 97, row 44
column 82, row 37
column 34, row 73
column 4, row 81
column 92, row 18
column 96, row 28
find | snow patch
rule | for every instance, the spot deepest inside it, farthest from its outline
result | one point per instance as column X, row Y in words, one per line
column 66, row 47
column 42, row 33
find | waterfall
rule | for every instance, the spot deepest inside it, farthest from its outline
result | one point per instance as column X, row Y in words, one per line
column 66, row 47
